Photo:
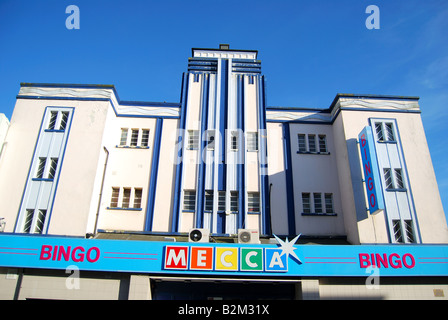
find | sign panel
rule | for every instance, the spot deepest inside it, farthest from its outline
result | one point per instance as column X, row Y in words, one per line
column 370, row 168
column 283, row 259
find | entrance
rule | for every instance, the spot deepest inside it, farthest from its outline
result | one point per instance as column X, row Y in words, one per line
column 222, row 290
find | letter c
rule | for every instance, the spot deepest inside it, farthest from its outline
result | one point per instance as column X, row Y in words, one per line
column 250, row 263
column 223, row 259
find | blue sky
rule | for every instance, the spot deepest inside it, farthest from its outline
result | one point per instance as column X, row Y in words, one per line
column 310, row 50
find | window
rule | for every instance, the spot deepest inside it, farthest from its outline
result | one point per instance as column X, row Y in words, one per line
column 210, row 140
column 379, row 131
column 196, row 77
column 322, row 143
column 134, row 137
column 189, row 200
column 53, row 117
column 137, row 198
column 114, row 199
column 193, row 139
column 126, row 197
column 221, row 201
column 53, row 166
column 41, row 214
column 28, row 220
column 124, row 137
column 145, row 138
column 409, row 230
column 385, row 131
column 234, row 201
column 252, row 141
column 399, row 179
column 208, row 200
column 64, row 119
column 306, row 203
column 41, row 168
column 253, row 201
column 389, row 131
column 317, row 202
column 234, row 141
column 388, row 178
column 329, row 203
column 39, row 222
column 398, row 235
column 312, row 143
column 302, row 143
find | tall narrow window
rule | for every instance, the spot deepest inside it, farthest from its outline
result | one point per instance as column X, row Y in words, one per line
column 389, row 131
column 399, row 179
column 252, row 141
column 302, row 143
column 41, row 168
column 317, row 202
column 210, row 140
column 409, row 230
column 388, row 178
column 53, row 117
column 124, row 136
column 41, row 214
column 253, row 201
column 126, row 197
column 145, row 138
column 189, row 199
column 134, row 137
column 322, row 144
column 234, row 141
column 312, row 143
column 53, row 166
column 234, row 201
column 221, row 201
column 398, row 234
column 208, row 200
column 114, row 198
column 329, row 203
column 64, row 119
column 193, row 139
column 28, row 220
column 138, row 198
column 306, row 203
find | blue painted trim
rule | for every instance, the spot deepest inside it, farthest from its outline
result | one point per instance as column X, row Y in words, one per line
column 153, row 178
column 289, row 180
column 200, row 194
column 241, row 151
column 179, row 166
column 264, row 178
column 222, row 166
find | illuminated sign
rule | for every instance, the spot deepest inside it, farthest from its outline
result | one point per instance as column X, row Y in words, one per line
column 221, row 259
column 370, row 167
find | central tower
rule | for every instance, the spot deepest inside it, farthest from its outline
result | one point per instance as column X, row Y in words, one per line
column 221, row 169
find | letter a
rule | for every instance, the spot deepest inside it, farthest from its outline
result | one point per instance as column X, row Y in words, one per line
column 72, row 21
column 373, row 21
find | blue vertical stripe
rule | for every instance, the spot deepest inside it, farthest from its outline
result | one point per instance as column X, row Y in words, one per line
column 203, row 144
column 180, row 143
column 289, row 180
column 153, row 177
column 223, row 126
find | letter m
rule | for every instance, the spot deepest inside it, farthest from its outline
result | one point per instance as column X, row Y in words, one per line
column 176, row 257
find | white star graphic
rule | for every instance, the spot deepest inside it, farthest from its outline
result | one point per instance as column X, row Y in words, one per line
column 288, row 247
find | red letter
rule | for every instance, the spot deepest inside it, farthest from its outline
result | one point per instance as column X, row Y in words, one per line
column 363, row 140
column 372, row 200
column 409, row 266
column 65, row 254
column 391, row 262
column 381, row 260
column 364, row 260
column 367, row 168
column 45, row 252
column 89, row 258
column 80, row 257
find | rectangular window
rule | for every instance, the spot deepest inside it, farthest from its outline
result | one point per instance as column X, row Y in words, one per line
column 124, row 136
column 253, row 201
column 329, row 203
column 389, row 131
column 193, row 139
column 41, row 214
column 145, row 138
column 252, row 141
column 302, row 143
column 53, row 117
column 28, row 220
column 379, row 131
column 114, row 198
column 317, row 202
column 306, row 203
column 53, row 166
column 41, row 168
column 388, row 178
column 409, row 229
column 137, row 198
column 398, row 235
column 312, row 143
column 322, row 144
column 221, row 201
column 64, row 119
column 126, row 197
column 399, row 179
column 234, row 201
column 189, row 199
column 210, row 139
column 208, row 200
column 234, row 141
column 134, row 137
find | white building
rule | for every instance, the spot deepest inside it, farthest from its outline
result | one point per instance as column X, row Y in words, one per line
column 80, row 162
